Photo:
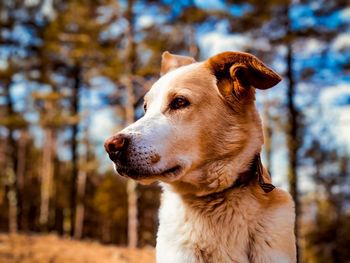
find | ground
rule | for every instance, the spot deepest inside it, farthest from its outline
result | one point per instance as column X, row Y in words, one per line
column 53, row 249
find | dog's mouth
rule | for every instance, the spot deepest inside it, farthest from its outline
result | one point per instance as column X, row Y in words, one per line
column 138, row 174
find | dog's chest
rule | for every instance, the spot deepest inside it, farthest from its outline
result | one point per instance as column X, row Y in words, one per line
column 190, row 237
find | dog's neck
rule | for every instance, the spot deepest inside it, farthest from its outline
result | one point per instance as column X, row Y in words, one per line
column 252, row 176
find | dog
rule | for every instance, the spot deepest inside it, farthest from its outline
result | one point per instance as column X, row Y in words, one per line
column 201, row 137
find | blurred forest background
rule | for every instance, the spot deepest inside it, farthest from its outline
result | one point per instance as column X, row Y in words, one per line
column 74, row 72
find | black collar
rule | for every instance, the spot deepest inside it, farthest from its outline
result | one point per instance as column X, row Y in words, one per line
column 255, row 172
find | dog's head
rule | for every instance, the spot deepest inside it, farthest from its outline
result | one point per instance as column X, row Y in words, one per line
column 200, row 128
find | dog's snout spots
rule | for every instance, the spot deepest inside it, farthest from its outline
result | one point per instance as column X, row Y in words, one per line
column 155, row 158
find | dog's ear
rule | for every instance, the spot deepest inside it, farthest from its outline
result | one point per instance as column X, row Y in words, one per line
column 243, row 71
column 170, row 62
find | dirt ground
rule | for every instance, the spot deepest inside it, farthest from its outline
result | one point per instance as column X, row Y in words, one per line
column 53, row 249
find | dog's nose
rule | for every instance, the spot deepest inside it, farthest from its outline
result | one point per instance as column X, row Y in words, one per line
column 116, row 145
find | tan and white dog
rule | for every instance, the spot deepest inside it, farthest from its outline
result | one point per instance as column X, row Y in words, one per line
column 201, row 136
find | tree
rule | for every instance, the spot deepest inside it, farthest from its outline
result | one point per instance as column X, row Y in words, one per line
column 13, row 121
column 130, row 118
column 327, row 233
column 86, row 167
column 76, row 51
column 51, row 120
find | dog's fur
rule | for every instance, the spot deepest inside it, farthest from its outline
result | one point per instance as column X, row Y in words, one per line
column 198, row 151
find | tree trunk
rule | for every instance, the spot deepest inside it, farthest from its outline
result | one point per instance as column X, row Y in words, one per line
column 46, row 178
column 12, row 193
column 292, row 141
column 12, row 199
column 80, row 210
column 130, row 113
column 74, row 144
column 267, row 135
column 193, row 47
column 132, row 214
column 292, row 126
column 131, row 184
column 21, row 168
column 82, row 176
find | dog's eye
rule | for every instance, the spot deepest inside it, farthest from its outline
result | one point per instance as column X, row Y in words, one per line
column 179, row 102
column 145, row 107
